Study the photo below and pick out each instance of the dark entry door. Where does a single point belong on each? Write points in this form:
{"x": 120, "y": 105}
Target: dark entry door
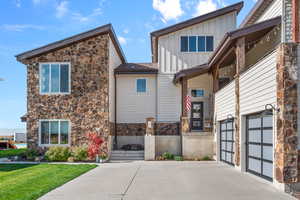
{"x": 197, "y": 116}
{"x": 227, "y": 142}
{"x": 260, "y": 145}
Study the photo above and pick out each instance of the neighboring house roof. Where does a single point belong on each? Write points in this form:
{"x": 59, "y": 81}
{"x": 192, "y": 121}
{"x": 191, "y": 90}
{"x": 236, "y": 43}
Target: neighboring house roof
{"x": 256, "y": 12}
{"x": 252, "y": 32}
{"x": 11, "y": 131}
{"x": 76, "y": 38}
{"x": 176, "y": 27}
{"x": 191, "y": 72}
{"x": 137, "y": 68}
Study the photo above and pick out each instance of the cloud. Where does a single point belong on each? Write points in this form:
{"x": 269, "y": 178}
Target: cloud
{"x": 126, "y": 31}
{"x": 169, "y": 9}
{"x": 122, "y": 40}
{"x": 18, "y": 3}
{"x": 21, "y": 27}
{"x": 62, "y": 9}
{"x": 205, "y": 6}
{"x": 36, "y": 2}
{"x": 77, "y": 16}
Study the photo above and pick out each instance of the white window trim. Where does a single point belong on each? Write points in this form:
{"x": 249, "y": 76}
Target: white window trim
{"x": 141, "y": 93}
{"x": 50, "y": 120}
{"x": 40, "y": 78}
{"x": 188, "y": 47}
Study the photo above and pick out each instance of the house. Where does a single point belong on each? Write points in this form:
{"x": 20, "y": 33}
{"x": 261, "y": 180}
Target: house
{"x": 211, "y": 89}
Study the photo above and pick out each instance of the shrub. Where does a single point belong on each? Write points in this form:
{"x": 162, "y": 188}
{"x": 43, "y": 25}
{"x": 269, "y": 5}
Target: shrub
{"x": 58, "y": 153}
{"x": 79, "y": 153}
{"x": 206, "y": 158}
{"x": 31, "y": 154}
{"x": 71, "y": 159}
{"x": 12, "y": 152}
{"x": 178, "y": 158}
{"x": 168, "y": 156}
{"x": 95, "y": 142}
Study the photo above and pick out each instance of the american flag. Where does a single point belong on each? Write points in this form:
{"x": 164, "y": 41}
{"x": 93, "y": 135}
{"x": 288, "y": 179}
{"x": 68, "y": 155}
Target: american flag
{"x": 188, "y": 104}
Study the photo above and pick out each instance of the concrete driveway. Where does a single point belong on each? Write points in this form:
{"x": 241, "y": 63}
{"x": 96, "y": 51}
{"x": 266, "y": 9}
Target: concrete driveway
{"x": 141, "y": 180}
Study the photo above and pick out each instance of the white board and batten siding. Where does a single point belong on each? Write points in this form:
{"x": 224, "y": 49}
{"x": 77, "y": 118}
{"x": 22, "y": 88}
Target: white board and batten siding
{"x": 258, "y": 85}
{"x": 225, "y": 102}
{"x": 168, "y": 99}
{"x": 172, "y": 60}
{"x": 134, "y": 107}
{"x": 114, "y": 62}
{"x": 274, "y": 10}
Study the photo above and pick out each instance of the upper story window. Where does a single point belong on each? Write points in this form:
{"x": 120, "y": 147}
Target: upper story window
{"x": 54, "y": 132}
{"x": 197, "y": 43}
{"x": 197, "y": 93}
{"x": 141, "y": 85}
{"x": 54, "y": 78}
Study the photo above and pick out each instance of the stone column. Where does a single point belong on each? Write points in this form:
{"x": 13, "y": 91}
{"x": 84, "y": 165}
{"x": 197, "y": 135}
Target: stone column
{"x": 240, "y": 66}
{"x": 149, "y": 147}
{"x": 286, "y": 150}
{"x": 185, "y": 125}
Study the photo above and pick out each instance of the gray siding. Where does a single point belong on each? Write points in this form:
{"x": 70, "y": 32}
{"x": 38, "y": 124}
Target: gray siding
{"x": 274, "y": 10}
{"x": 225, "y": 102}
{"x": 169, "y": 99}
{"x": 258, "y": 85}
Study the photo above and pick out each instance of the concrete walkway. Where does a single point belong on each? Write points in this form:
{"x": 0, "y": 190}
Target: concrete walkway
{"x": 141, "y": 180}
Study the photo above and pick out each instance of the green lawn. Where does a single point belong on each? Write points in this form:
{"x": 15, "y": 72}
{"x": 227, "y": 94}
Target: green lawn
{"x": 26, "y": 182}
{"x": 11, "y": 152}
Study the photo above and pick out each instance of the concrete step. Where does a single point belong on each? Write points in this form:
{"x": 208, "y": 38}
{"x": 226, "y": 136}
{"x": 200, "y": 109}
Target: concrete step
{"x": 127, "y": 155}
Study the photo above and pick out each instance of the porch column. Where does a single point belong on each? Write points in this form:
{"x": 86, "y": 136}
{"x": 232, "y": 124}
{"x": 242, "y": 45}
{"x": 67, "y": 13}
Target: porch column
{"x": 240, "y": 66}
{"x": 296, "y": 20}
{"x": 184, "y": 115}
{"x": 286, "y": 149}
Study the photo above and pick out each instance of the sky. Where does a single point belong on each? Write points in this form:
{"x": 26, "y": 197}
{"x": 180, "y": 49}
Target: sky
{"x": 27, "y": 24}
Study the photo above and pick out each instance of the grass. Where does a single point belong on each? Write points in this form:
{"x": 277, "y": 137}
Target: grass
{"x": 29, "y": 181}
{"x": 11, "y": 152}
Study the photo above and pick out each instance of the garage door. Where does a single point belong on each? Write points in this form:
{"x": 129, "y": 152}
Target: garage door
{"x": 227, "y": 142}
{"x": 260, "y": 145}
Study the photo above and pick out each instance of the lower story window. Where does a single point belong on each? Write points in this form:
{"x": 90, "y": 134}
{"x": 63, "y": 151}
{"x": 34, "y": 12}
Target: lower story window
{"x": 54, "y": 132}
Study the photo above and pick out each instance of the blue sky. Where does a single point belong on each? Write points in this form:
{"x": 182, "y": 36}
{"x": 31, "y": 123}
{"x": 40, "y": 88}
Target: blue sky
{"x": 27, "y": 24}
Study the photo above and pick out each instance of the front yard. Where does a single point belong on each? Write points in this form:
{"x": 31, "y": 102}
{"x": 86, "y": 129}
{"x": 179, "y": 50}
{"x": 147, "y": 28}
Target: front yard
{"x": 28, "y": 182}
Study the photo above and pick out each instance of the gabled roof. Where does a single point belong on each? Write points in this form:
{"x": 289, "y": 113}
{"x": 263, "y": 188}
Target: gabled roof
{"x": 106, "y": 29}
{"x": 137, "y": 68}
{"x": 251, "y": 31}
{"x": 176, "y": 27}
{"x": 255, "y": 13}
{"x": 191, "y": 72}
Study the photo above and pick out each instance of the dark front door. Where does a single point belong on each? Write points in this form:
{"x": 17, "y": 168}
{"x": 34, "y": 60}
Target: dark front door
{"x": 260, "y": 145}
{"x": 197, "y": 116}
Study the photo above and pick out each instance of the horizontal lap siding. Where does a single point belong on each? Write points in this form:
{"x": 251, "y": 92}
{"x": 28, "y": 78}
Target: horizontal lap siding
{"x": 258, "y": 85}
{"x": 169, "y": 99}
{"x": 273, "y": 11}
{"x": 131, "y": 106}
{"x": 225, "y": 102}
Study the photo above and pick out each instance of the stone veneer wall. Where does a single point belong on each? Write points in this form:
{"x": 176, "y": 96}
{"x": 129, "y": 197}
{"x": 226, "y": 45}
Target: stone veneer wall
{"x": 286, "y": 150}
{"x": 87, "y": 107}
{"x": 139, "y": 129}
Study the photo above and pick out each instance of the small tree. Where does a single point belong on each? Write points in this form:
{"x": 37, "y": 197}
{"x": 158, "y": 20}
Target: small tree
{"x": 94, "y": 144}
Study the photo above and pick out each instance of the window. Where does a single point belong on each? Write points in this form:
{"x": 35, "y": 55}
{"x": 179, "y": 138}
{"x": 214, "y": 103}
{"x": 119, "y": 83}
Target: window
{"x": 197, "y": 43}
{"x": 54, "y": 78}
{"x": 201, "y": 43}
{"x": 192, "y": 43}
{"x": 54, "y": 132}
{"x": 209, "y": 43}
{"x": 197, "y": 93}
{"x": 141, "y": 85}
{"x": 184, "y": 44}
